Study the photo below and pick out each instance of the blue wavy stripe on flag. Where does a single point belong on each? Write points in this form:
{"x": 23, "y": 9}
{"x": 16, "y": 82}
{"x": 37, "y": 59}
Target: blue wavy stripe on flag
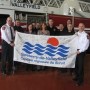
{"x": 30, "y": 45}
{"x": 61, "y": 54}
{"x": 57, "y": 50}
{"x": 51, "y": 50}
{"x": 62, "y": 50}
{"x": 37, "y": 52}
{"x": 39, "y": 49}
{"x": 63, "y": 47}
{"x": 27, "y": 47}
{"x": 27, "y": 51}
{"x": 50, "y": 54}
{"x": 52, "y": 47}
{"x": 40, "y": 46}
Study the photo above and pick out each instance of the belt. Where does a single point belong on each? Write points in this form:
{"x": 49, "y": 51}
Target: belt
{"x": 6, "y": 42}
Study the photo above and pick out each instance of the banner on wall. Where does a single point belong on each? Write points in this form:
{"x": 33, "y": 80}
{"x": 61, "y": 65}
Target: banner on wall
{"x": 53, "y": 51}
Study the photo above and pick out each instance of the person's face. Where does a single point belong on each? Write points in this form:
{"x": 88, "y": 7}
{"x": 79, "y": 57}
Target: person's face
{"x": 17, "y": 23}
{"x": 61, "y": 27}
{"x": 34, "y": 24}
{"x": 43, "y": 26}
{"x": 9, "y": 21}
{"x": 70, "y": 27}
{"x": 30, "y": 27}
{"x": 50, "y": 22}
{"x": 69, "y": 22}
{"x": 37, "y": 25}
{"x": 81, "y": 27}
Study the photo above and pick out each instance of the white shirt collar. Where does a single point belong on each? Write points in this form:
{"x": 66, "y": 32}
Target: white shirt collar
{"x": 81, "y": 32}
{"x": 8, "y": 25}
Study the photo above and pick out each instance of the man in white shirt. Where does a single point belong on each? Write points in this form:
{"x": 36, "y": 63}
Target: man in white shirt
{"x": 83, "y": 44}
{"x": 7, "y": 36}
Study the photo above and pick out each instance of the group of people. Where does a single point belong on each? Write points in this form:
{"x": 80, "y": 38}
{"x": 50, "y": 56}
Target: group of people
{"x": 8, "y": 35}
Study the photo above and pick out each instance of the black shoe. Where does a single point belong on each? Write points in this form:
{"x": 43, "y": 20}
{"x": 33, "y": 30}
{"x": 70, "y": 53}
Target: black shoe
{"x": 4, "y": 74}
{"x": 9, "y": 73}
{"x": 79, "y": 83}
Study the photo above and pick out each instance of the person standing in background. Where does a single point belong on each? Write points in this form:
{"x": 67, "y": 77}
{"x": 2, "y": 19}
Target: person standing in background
{"x": 38, "y": 26}
{"x": 70, "y": 30}
{"x": 66, "y": 26}
{"x": 51, "y": 28}
{"x": 31, "y": 31}
{"x": 43, "y": 31}
{"x": 34, "y": 27}
{"x": 18, "y": 27}
{"x": 60, "y": 30}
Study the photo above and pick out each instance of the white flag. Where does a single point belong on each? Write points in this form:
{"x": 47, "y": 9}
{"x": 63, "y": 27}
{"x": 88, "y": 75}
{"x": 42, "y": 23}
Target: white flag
{"x": 54, "y": 51}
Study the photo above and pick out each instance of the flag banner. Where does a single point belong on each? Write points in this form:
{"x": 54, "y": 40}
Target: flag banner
{"x": 53, "y": 51}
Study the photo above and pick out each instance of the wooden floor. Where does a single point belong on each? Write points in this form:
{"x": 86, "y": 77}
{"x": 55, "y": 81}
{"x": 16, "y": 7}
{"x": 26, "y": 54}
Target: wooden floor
{"x": 44, "y": 80}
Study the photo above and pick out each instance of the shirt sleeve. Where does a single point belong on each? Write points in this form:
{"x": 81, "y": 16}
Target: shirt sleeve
{"x": 4, "y": 35}
{"x": 85, "y": 44}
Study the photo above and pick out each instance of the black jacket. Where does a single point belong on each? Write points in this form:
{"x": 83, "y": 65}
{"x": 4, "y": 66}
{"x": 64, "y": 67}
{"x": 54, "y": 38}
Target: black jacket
{"x": 18, "y": 28}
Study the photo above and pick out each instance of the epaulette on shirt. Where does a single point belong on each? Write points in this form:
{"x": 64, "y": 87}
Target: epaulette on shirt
{"x": 3, "y": 27}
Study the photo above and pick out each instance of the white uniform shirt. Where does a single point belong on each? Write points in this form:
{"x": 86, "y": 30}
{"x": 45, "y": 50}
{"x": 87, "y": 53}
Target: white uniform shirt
{"x": 83, "y": 41}
{"x": 6, "y": 33}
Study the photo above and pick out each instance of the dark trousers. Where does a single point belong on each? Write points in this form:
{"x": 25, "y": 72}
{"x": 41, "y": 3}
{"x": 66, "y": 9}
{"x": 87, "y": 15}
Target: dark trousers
{"x": 7, "y": 57}
{"x": 79, "y": 67}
